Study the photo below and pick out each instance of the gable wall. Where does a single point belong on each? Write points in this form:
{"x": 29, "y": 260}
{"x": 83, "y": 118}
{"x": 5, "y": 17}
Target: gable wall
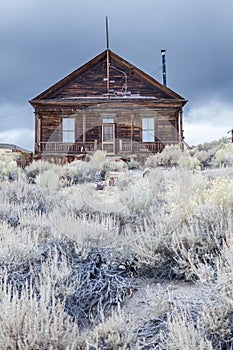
{"x": 91, "y": 83}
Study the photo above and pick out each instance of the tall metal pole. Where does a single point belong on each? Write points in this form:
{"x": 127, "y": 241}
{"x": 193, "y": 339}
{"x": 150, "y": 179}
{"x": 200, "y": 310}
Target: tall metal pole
{"x": 163, "y": 52}
{"x": 107, "y": 68}
{"x": 107, "y": 37}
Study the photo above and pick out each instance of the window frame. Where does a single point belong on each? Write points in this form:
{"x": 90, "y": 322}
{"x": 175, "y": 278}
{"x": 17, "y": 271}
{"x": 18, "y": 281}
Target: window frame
{"x": 68, "y": 129}
{"x": 108, "y": 144}
{"x": 148, "y": 131}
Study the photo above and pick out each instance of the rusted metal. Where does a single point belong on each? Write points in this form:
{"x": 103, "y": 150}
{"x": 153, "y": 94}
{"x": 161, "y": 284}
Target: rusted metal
{"x": 163, "y": 52}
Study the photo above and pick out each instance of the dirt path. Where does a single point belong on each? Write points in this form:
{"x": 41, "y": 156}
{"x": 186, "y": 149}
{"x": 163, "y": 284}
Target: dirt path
{"x": 150, "y": 295}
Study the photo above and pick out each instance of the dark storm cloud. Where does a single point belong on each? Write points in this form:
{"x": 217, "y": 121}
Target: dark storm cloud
{"x": 42, "y": 41}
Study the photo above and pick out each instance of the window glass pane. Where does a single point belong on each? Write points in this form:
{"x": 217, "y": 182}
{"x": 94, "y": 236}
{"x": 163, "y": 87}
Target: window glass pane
{"x": 68, "y": 123}
{"x": 68, "y": 136}
{"x": 150, "y": 124}
{"x": 147, "y": 136}
{"x": 65, "y": 124}
{"x": 144, "y": 123}
{"x": 107, "y": 133}
{"x": 108, "y": 120}
{"x": 68, "y": 130}
{"x": 71, "y": 123}
{"x": 148, "y": 131}
{"x": 65, "y": 136}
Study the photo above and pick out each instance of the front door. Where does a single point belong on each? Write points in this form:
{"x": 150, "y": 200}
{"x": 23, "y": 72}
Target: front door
{"x": 108, "y": 138}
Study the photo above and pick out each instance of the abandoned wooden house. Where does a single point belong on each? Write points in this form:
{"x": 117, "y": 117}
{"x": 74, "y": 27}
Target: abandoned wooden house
{"x": 22, "y": 156}
{"x": 106, "y": 104}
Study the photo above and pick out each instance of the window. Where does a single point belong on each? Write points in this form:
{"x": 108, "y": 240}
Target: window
{"x": 108, "y": 120}
{"x": 148, "y": 130}
{"x": 108, "y": 133}
{"x": 68, "y": 130}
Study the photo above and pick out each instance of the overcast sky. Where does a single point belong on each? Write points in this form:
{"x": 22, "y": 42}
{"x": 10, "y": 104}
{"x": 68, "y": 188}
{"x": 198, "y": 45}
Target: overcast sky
{"x": 44, "y": 40}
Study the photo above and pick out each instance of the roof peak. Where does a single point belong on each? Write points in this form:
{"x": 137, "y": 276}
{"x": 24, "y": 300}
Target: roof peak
{"x": 94, "y": 78}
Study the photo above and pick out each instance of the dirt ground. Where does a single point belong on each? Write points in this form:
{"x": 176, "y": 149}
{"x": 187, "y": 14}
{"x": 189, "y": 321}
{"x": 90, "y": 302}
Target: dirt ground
{"x": 174, "y": 293}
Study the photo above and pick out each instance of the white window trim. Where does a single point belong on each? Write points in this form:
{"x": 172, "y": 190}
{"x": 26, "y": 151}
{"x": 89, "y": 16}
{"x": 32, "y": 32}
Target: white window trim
{"x": 148, "y": 132}
{"x": 68, "y": 131}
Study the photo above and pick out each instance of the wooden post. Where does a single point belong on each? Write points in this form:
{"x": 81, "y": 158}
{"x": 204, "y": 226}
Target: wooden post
{"x": 120, "y": 145}
{"x": 108, "y": 74}
{"x": 39, "y": 121}
{"x": 132, "y": 127}
{"x": 36, "y": 133}
{"x": 95, "y": 145}
{"x": 181, "y": 130}
{"x": 84, "y": 128}
{"x": 108, "y": 61}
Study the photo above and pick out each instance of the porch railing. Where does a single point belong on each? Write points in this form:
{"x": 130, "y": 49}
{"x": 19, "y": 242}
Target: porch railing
{"x": 60, "y": 147}
{"x": 122, "y": 146}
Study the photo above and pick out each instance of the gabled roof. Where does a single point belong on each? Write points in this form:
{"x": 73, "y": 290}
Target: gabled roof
{"x": 89, "y": 81}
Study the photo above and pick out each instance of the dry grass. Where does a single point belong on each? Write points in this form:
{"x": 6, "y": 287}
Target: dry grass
{"x": 170, "y": 224}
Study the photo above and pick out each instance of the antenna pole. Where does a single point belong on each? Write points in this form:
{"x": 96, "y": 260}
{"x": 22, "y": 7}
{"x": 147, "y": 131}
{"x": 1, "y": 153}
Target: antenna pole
{"x": 108, "y": 63}
{"x": 107, "y": 38}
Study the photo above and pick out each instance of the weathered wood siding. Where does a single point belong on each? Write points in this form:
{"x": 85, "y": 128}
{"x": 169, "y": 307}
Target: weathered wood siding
{"x": 91, "y": 82}
{"x": 128, "y": 124}
{"x": 167, "y": 126}
{"x": 93, "y": 126}
{"x": 51, "y": 128}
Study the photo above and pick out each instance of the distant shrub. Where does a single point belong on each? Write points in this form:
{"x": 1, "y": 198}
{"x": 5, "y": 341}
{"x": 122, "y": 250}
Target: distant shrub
{"x": 9, "y": 215}
{"x": 213, "y": 145}
{"x": 115, "y": 165}
{"x": 98, "y": 159}
{"x": 173, "y": 156}
{"x": 8, "y": 166}
{"x": 214, "y": 154}
{"x": 133, "y": 164}
{"x": 140, "y": 197}
{"x": 27, "y": 197}
{"x": 220, "y": 194}
{"x": 187, "y": 162}
{"x": 169, "y": 157}
{"x": 48, "y": 179}
{"x": 37, "y": 167}
{"x": 224, "y": 156}
{"x": 204, "y": 157}
{"x": 78, "y": 172}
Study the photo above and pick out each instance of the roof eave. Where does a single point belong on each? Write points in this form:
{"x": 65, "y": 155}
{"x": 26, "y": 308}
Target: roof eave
{"x": 101, "y": 100}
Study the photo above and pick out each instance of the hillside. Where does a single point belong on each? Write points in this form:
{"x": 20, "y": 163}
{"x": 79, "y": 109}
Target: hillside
{"x": 144, "y": 264}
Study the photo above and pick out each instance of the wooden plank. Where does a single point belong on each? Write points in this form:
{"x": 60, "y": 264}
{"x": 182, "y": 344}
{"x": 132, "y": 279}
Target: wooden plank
{"x": 84, "y": 127}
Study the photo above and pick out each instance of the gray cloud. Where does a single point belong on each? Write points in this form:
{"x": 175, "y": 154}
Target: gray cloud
{"x": 42, "y": 41}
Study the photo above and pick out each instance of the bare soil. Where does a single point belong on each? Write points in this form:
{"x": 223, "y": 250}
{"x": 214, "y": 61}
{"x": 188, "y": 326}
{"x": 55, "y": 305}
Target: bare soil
{"x": 178, "y": 293}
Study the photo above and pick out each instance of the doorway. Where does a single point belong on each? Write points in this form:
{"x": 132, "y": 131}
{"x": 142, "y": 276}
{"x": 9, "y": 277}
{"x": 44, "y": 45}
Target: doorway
{"x": 108, "y": 138}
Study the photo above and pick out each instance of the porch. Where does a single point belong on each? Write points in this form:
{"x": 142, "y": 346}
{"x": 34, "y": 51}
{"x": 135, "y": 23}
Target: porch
{"x": 122, "y": 147}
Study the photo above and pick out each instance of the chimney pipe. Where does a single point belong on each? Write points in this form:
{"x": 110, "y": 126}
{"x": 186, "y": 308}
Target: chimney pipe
{"x": 163, "y": 52}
